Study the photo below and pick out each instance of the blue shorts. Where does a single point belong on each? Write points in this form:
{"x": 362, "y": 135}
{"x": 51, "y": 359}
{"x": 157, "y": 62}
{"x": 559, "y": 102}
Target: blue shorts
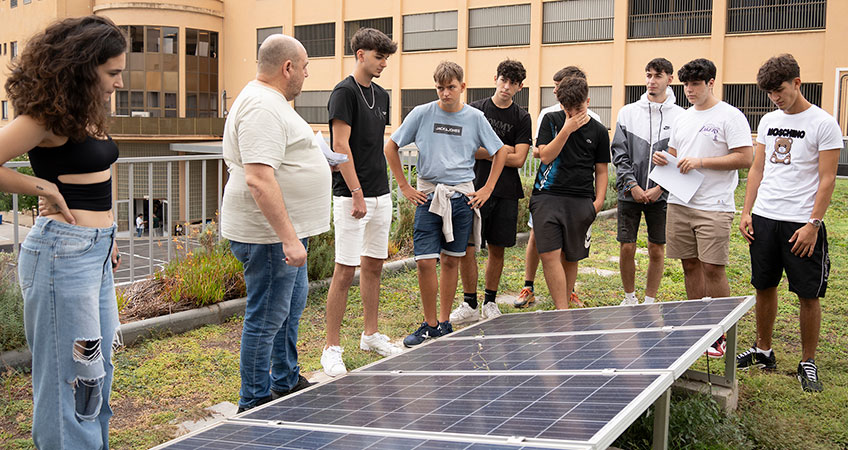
{"x": 428, "y": 241}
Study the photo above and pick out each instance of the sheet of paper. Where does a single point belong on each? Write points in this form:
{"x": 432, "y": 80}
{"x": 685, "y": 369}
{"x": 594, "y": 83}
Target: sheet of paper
{"x": 683, "y": 186}
{"x": 332, "y": 157}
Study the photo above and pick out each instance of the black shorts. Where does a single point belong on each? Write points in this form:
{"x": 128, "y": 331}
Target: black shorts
{"x": 562, "y": 222}
{"x": 771, "y": 254}
{"x": 499, "y": 221}
{"x": 630, "y": 214}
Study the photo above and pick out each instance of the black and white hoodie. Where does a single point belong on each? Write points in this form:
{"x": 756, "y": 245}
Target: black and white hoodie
{"x": 643, "y": 127}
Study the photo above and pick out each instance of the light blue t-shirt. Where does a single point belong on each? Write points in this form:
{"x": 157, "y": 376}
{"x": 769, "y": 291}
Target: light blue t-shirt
{"x": 446, "y": 141}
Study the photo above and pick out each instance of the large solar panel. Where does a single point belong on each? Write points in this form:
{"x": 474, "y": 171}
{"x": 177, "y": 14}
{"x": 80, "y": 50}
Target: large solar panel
{"x": 240, "y": 436}
{"x": 561, "y": 407}
{"x": 631, "y": 350}
{"x": 701, "y": 313}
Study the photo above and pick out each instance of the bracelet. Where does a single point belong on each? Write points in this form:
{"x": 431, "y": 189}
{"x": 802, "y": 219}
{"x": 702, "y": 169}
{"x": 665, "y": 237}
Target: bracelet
{"x": 357, "y": 189}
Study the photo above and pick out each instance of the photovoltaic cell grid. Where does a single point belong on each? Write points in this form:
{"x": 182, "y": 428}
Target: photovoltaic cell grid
{"x": 231, "y": 436}
{"x": 646, "y": 350}
{"x": 562, "y": 407}
{"x": 656, "y": 315}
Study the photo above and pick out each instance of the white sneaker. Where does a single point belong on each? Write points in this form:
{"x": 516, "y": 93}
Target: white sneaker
{"x": 491, "y": 310}
{"x": 649, "y": 301}
{"x": 464, "y": 314}
{"x": 331, "y": 360}
{"x": 378, "y": 343}
{"x": 629, "y": 301}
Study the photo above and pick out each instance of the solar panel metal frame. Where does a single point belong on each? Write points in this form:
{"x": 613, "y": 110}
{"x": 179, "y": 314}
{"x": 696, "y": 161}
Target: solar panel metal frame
{"x": 477, "y": 439}
{"x": 728, "y": 321}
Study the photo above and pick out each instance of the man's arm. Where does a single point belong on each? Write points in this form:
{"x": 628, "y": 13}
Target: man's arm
{"x": 266, "y": 191}
{"x": 482, "y": 153}
{"x": 482, "y": 195}
{"x": 625, "y": 174}
{"x": 393, "y": 159}
{"x": 517, "y": 156}
{"x": 549, "y": 152}
{"x": 737, "y": 158}
{"x": 601, "y": 179}
{"x": 805, "y": 237}
{"x": 755, "y": 177}
{"x": 341, "y": 144}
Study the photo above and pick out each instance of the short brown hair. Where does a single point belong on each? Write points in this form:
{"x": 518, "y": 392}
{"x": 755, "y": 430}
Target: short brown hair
{"x": 777, "y": 70}
{"x": 572, "y": 92}
{"x": 372, "y": 39}
{"x": 568, "y": 72}
{"x": 447, "y": 71}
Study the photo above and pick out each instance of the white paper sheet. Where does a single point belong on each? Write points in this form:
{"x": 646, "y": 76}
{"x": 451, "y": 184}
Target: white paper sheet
{"x": 332, "y": 157}
{"x": 683, "y": 186}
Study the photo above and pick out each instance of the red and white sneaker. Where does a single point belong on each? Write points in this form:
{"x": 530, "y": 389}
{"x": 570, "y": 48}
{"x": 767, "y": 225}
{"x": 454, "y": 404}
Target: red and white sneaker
{"x": 718, "y": 348}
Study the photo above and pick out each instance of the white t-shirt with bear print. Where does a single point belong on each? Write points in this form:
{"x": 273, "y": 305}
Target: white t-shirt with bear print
{"x": 791, "y": 172}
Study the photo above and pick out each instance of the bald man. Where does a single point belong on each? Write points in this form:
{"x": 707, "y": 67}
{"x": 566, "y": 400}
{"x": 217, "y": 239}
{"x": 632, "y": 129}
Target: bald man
{"x": 277, "y": 196}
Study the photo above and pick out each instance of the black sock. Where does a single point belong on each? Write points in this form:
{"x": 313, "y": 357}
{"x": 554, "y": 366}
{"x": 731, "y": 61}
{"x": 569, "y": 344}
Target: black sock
{"x": 529, "y": 284}
{"x": 470, "y": 298}
{"x": 490, "y": 296}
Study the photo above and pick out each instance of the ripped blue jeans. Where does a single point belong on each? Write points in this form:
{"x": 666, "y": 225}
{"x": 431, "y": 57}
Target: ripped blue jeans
{"x": 71, "y": 318}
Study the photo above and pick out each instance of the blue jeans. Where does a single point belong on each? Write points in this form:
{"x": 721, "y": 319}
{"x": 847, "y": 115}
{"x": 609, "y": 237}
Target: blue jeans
{"x": 71, "y": 318}
{"x": 276, "y": 296}
{"x": 428, "y": 241}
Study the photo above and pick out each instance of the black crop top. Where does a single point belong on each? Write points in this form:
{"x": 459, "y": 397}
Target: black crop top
{"x": 88, "y": 156}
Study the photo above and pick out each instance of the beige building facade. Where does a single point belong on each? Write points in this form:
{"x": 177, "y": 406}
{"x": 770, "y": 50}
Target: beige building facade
{"x": 188, "y": 59}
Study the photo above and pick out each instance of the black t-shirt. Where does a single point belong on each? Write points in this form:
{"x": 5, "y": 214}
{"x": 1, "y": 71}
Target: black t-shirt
{"x": 572, "y": 173}
{"x": 367, "y": 130}
{"x": 513, "y": 126}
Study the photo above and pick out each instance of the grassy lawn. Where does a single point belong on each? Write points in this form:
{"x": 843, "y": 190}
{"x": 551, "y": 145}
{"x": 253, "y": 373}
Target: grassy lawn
{"x": 165, "y": 381}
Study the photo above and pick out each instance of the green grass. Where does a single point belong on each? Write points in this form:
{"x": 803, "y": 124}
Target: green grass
{"x": 168, "y": 380}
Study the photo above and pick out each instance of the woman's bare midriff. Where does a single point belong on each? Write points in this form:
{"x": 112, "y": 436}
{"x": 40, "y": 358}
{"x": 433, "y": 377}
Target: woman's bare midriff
{"x": 86, "y": 218}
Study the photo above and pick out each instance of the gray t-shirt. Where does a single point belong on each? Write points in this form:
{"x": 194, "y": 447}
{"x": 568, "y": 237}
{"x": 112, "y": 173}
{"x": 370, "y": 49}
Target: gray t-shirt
{"x": 446, "y": 141}
{"x": 263, "y": 128}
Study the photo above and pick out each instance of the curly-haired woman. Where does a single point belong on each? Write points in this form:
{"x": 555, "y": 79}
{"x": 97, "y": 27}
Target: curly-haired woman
{"x": 59, "y": 87}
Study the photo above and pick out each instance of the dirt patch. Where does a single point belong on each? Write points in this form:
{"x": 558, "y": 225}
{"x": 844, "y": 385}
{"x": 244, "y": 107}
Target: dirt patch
{"x": 16, "y": 407}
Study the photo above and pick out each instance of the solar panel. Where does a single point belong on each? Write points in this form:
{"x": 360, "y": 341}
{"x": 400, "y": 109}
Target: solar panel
{"x": 631, "y": 350}
{"x": 232, "y": 436}
{"x": 708, "y": 312}
{"x": 561, "y": 407}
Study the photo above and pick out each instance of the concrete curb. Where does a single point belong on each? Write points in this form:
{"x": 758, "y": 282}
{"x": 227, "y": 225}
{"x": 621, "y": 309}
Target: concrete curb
{"x": 183, "y": 321}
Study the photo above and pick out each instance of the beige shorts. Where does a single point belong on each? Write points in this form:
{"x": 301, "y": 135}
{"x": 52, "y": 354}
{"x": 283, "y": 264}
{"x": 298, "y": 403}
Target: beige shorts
{"x": 368, "y": 236}
{"x": 693, "y": 233}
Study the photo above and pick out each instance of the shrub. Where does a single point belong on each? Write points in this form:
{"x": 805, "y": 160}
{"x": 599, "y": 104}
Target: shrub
{"x": 11, "y": 305}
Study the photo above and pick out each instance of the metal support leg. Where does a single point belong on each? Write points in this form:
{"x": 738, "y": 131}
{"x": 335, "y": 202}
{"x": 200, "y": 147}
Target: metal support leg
{"x": 729, "y": 365}
{"x": 661, "y": 413}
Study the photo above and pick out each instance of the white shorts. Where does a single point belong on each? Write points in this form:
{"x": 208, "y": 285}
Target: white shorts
{"x": 368, "y": 236}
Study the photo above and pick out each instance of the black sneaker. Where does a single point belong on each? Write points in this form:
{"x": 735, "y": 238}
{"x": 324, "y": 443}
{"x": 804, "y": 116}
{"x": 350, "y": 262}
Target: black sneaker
{"x": 259, "y": 402}
{"x": 752, "y": 358}
{"x": 302, "y": 383}
{"x": 445, "y": 328}
{"x": 808, "y": 375}
{"x": 424, "y": 332}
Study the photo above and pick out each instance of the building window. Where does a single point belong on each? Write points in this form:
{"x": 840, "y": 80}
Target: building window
{"x": 662, "y": 18}
{"x": 13, "y": 3}
{"x": 499, "y": 26}
{"x": 4, "y": 48}
{"x": 201, "y": 73}
{"x": 312, "y": 106}
{"x": 410, "y": 98}
{"x": 152, "y": 73}
{"x": 577, "y": 21}
{"x": 600, "y": 101}
{"x": 319, "y": 39}
{"x": 744, "y": 16}
{"x": 522, "y": 98}
{"x": 633, "y": 93}
{"x": 13, "y": 49}
{"x": 754, "y": 102}
{"x": 351, "y": 27}
{"x": 27, "y": 2}
{"x": 262, "y": 33}
{"x": 430, "y": 31}
{"x": 4, "y": 110}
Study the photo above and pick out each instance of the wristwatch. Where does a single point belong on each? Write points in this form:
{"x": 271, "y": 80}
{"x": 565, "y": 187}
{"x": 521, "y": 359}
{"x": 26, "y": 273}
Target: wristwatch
{"x": 815, "y": 222}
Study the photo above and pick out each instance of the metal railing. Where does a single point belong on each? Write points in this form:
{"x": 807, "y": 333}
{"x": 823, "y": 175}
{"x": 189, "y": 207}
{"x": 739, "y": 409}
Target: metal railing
{"x": 136, "y": 271}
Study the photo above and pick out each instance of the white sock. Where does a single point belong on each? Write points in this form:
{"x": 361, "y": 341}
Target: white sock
{"x": 650, "y": 299}
{"x": 630, "y": 295}
{"x": 765, "y": 352}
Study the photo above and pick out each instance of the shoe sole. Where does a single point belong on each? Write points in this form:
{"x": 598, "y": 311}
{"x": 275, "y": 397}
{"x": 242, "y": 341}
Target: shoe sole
{"x": 524, "y": 304}
{"x": 807, "y": 388}
{"x": 462, "y": 321}
{"x": 367, "y": 348}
